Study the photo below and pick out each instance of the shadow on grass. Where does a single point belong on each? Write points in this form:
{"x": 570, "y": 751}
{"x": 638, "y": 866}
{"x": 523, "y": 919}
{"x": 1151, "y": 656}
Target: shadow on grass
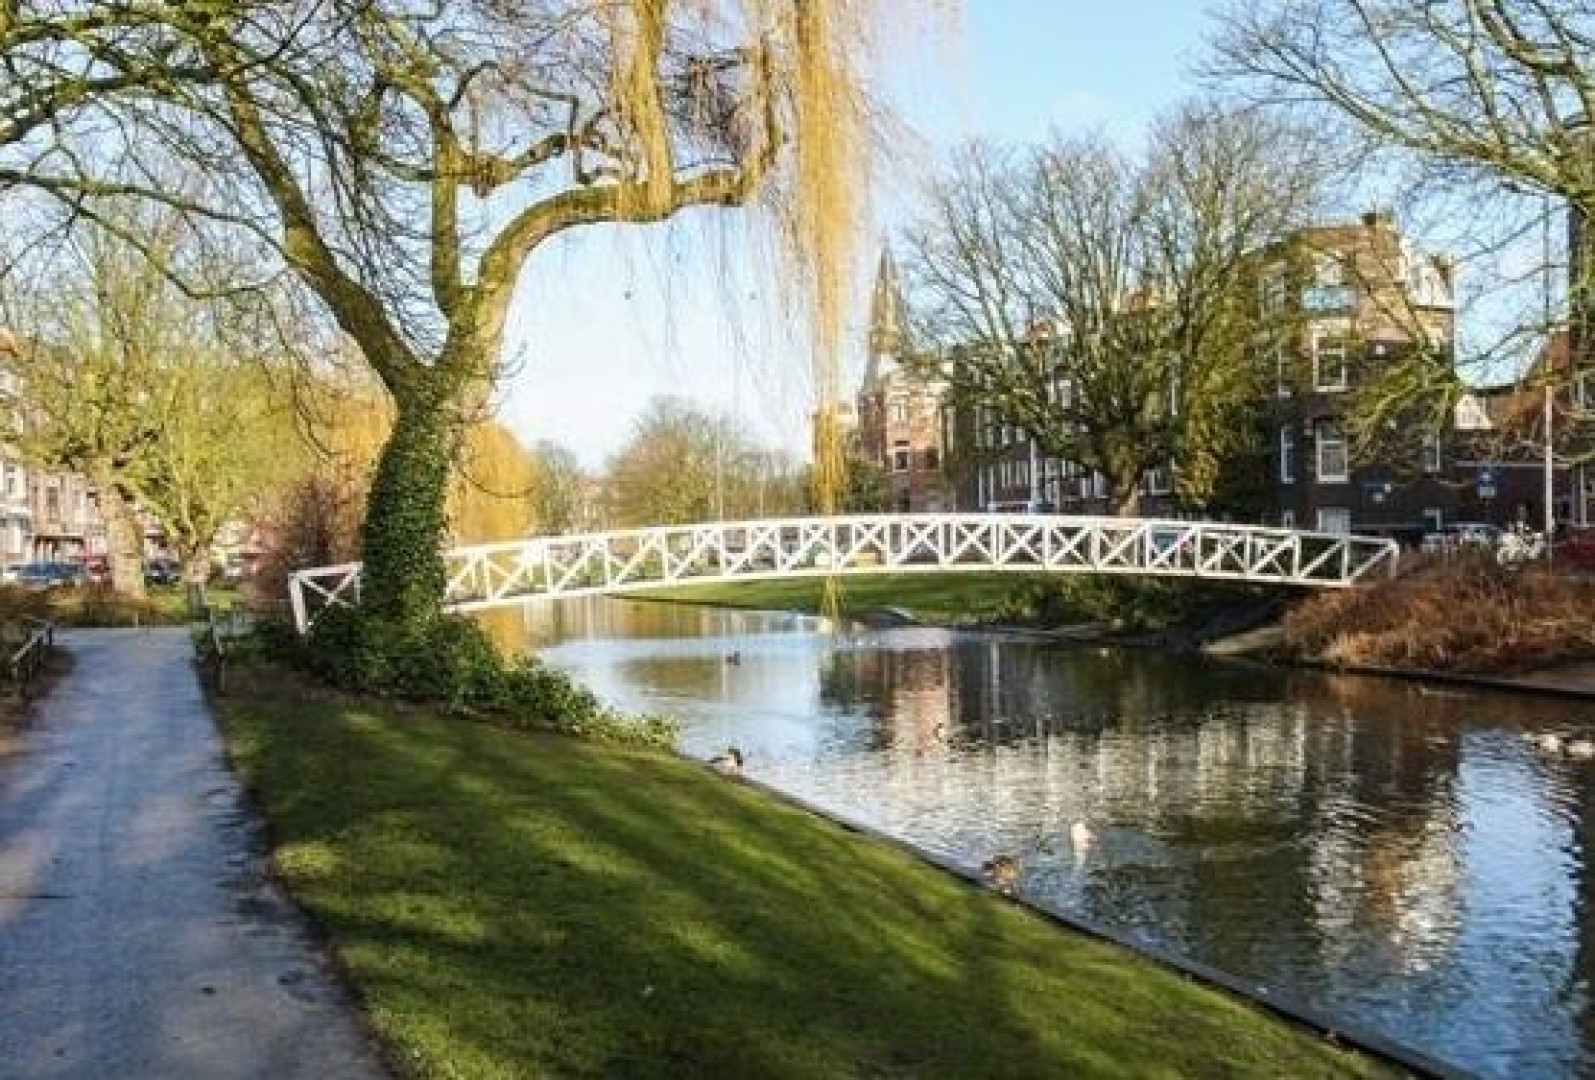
{"x": 512, "y": 906}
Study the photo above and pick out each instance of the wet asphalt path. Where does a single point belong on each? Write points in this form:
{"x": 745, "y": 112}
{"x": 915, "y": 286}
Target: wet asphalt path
{"x": 139, "y": 936}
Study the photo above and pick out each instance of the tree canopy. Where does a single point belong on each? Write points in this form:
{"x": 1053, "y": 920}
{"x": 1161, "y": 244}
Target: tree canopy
{"x": 1106, "y": 302}
{"x": 406, "y": 159}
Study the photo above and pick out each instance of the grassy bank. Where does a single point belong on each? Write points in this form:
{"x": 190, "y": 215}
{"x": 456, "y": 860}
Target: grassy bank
{"x": 525, "y": 906}
{"x": 963, "y": 597}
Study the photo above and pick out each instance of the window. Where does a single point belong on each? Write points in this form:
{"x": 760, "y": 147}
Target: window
{"x": 901, "y": 457}
{"x": 898, "y": 411}
{"x": 1431, "y": 452}
{"x": 1329, "y": 290}
{"x": 1433, "y": 518}
{"x": 1334, "y": 519}
{"x": 1159, "y": 481}
{"x": 932, "y": 460}
{"x": 1287, "y": 454}
{"x": 1329, "y": 363}
{"x": 1282, "y": 372}
{"x": 1287, "y": 519}
{"x": 52, "y": 504}
{"x": 1332, "y": 467}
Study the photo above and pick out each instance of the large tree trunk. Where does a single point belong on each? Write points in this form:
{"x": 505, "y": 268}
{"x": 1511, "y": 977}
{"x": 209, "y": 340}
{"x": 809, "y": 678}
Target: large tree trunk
{"x": 406, "y": 512}
{"x": 124, "y": 538}
{"x": 196, "y": 575}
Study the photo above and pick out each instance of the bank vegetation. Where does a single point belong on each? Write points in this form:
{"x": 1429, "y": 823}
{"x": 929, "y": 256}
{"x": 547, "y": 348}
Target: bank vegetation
{"x": 1462, "y": 612}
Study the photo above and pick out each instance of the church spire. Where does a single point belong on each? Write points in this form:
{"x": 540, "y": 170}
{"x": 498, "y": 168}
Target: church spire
{"x": 886, "y": 330}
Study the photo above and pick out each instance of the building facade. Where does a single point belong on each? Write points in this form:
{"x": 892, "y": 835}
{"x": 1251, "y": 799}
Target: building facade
{"x": 1355, "y": 299}
{"x": 45, "y": 514}
{"x": 898, "y": 412}
{"x": 1346, "y": 301}
{"x": 1364, "y": 298}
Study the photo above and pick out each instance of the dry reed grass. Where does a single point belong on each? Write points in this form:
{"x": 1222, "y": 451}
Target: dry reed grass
{"x": 1456, "y": 613}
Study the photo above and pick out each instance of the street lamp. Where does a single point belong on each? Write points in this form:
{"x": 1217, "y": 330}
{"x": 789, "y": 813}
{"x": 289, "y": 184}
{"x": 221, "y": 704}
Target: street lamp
{"x": 1549, "y": 404}
{"x": 1547, "y": 375}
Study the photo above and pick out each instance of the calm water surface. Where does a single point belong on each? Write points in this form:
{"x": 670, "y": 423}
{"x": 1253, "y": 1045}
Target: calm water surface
{"x": 1402, "y": 858}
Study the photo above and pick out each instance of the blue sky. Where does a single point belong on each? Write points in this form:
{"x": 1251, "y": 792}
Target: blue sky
{"x": 606, "y": 319}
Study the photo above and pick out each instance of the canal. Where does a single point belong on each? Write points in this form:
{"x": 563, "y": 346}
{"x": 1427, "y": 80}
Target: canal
{"x": 1391, "y": 854}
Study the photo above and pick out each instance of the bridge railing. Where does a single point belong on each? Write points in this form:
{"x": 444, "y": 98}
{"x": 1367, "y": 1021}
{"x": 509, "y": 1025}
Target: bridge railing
{"x": 628, "y": 560}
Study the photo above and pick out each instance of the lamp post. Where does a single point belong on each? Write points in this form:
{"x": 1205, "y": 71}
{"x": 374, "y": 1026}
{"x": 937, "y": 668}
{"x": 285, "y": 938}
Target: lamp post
{"x": 1549, "y": 374}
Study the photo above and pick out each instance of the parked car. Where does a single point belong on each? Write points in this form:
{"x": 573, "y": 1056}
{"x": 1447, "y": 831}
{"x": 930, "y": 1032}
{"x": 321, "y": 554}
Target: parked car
{"x": 51, "y": 575}
{"x": 1462, "y": 534}
{"x": 162, "y": 572}
{"x": 1475, "y": 534}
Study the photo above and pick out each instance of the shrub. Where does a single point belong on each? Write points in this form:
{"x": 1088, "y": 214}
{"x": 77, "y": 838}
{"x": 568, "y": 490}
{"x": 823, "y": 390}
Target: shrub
{"x": 1123, "y": 603}
{"x": 452, "y": 662}
{"x": 1459, "y": 613}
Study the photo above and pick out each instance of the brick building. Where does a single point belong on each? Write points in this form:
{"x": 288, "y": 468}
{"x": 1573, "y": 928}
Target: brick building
{"x": 1352, "y": 298}
{"x": 45, "y": 514}
{"x": 1356, "y": 298}
{"x": 898, "y": 412}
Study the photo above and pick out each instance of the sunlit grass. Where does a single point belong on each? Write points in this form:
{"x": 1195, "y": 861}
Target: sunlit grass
{"x": 514, "y": 906}
{"x": 960, "y": 597}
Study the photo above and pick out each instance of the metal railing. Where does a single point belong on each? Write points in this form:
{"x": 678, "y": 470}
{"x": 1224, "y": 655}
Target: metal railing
{"x": 633, "y": 560}
{"x": 28, "y": 659}
{"x": 222, "y": 625}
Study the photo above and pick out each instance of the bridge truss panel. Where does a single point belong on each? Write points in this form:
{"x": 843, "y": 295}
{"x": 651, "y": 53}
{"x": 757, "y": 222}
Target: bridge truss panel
{"x": 634, "y": 560}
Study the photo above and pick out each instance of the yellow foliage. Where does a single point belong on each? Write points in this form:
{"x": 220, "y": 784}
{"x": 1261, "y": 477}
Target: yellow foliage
{"x": 490, "y": 495}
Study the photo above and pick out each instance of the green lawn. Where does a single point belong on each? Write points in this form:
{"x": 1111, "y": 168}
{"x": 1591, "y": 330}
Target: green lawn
{"x": 510, "y": 906}
{"x": 961, "y": 597}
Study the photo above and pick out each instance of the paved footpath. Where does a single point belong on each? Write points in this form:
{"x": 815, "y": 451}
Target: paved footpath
{"x": 139, "y": 935}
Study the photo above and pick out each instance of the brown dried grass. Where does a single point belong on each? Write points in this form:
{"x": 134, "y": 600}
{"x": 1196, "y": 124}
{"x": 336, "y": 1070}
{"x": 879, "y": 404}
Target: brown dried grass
{"x": 1455, "y": 613}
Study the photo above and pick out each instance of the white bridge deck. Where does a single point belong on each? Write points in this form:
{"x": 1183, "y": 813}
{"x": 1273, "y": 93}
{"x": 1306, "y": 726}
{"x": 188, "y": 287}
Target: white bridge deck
{"x": 633, "y": 560}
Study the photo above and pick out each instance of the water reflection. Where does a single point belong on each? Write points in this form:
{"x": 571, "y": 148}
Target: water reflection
{"x": 1400, "y": 857}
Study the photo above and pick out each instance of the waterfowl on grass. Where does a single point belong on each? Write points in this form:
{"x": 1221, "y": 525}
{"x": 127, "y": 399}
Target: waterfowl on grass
{"x": 1001, "y": 872}
{"x": 728, "y": 763}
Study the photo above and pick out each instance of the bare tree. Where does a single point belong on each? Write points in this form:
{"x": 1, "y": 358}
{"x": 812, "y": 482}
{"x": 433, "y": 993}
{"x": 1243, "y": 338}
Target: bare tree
{"x": 407, "y": 159}
{"x": 1107, "y": 303}
{"x": 1492, "y": 96}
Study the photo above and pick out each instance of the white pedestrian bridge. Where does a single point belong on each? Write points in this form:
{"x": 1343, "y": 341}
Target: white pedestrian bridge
{"x": 636, "y": 560}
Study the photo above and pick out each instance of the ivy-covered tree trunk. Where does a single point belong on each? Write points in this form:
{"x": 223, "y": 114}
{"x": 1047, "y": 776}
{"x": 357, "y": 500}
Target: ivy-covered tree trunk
{"x": 124, "y": 537}
{"x": 406, "y": 512}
